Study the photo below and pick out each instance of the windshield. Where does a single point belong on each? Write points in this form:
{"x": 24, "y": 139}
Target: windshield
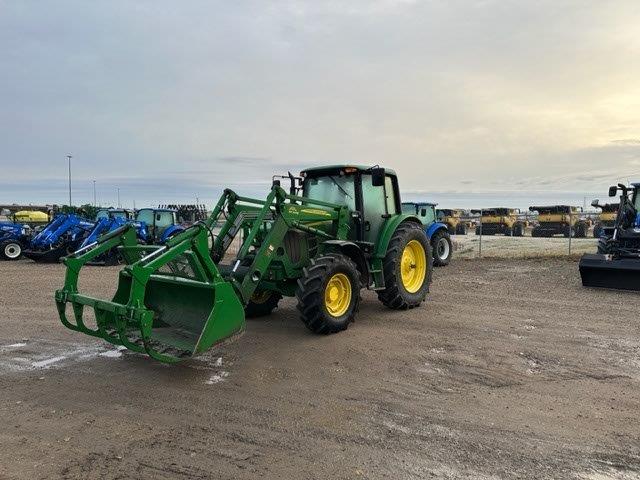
{"x": 409, "y": 208}
{"x": 120, "y": 214}
{"x": 102, "y": 214}
{"x": 333, "y": 189}
{"x": 145, "y": 215}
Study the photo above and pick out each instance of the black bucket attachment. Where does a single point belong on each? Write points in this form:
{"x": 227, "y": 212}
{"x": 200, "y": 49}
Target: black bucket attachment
{"x": 606, "y": 271}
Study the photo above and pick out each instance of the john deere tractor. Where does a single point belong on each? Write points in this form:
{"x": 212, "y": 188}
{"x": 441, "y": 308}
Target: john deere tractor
{"x": 336, "y": 230}
{"x": 560, "y": 220}
{"x": 506, "y": 221}
{"x": 606, "y": 218}
{"x": 617, "y": 263}
{"x": 452, "y": 218}
{"x": 437, "y": 232}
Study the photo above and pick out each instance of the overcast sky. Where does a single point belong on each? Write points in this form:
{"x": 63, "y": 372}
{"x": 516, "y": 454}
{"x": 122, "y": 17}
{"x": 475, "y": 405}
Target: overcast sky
{"x": 172, "y": 100}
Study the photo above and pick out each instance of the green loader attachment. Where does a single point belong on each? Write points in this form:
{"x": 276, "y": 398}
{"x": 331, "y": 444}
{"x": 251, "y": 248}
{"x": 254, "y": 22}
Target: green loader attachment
{"x": 172, "y": 301}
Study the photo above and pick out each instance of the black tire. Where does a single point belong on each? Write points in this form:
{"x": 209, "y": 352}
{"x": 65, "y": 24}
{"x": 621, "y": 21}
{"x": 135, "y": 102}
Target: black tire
{"x": 10, "y": 250}
{"x": 262, "y": 304}
{"x": 569, "y": 232}
{"x": 477, "y": 230}
{"x": 312, "y": 288}
{"x": 442, "y": 248}
{"x": 597, "y": 230}
{"x": 451, "y": 230}
{"x": 607, "y": 245}
{"x": 461, "y": 229}
{"x": 395, "y": 295}
{"x": 581, "y": 230}
{"x": 518, "y": 229}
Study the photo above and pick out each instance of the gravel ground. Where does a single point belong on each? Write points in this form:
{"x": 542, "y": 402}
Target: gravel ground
{"x": 510, "y": 370}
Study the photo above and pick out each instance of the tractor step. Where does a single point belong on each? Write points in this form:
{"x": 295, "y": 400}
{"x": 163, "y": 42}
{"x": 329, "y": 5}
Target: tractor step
{"x": 605, "y": 271}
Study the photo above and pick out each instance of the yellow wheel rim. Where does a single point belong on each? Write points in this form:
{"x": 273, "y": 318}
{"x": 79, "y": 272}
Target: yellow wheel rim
{"x": 337, "y": 295}
{"x": 413, "y": 266}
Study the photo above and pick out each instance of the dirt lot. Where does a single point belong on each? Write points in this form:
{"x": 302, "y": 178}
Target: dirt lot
{"x": 510, "y": 370}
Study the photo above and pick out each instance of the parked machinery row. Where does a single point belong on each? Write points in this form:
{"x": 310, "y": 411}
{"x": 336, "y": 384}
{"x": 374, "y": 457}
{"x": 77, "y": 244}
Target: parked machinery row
{"x": 66, "y": 233}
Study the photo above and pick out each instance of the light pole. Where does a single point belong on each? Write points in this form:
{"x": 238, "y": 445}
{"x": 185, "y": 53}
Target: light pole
{"x": 94, "y": 193}
{"x": 119, "y": 206}
{"x": 69, "y": 159}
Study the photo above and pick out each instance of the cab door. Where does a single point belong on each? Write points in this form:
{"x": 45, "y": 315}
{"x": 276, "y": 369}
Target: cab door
{"x": 379, "y": 203}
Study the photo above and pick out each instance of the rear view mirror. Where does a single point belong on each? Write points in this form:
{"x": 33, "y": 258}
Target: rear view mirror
{"x": 613, "y": 190}
{"x": 377, "y": 176}
{"x": 595, "y": 203}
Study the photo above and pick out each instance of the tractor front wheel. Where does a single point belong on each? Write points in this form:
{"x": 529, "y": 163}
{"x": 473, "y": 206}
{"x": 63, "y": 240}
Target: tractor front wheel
{"x": 407, "y": 268}
{"x": 262, "y": 304}
{"x": 329, "y": 293}
{"x": 10, "y": 250}
{"x": 442, "y": 248}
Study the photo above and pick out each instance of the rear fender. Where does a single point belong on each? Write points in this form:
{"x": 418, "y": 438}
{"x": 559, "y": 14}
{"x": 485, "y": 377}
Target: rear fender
{"x": 389, "y": 229}
{"x": 170, "y": 231}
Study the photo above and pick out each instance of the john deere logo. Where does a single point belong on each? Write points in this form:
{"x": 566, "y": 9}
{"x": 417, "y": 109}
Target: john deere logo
{"x": 293, "y": 211}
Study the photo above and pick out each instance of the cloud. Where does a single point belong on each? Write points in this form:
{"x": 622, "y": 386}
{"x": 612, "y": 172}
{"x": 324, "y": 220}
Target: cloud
{"x": 197, "y": 96}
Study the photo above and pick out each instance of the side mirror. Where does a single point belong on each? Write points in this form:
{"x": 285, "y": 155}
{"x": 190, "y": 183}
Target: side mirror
{"x": 613, "y": 191}
{"x": 595, "y": 203}
{"x": 377, "y": 176}
{"x": 423, "y": 212}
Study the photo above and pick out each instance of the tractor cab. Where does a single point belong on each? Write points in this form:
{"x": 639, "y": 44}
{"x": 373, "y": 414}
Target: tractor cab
{"x": 425, "y": 211}
{"x": 111, "y": 213}
{"x": 155, "y": 225}
{"x": 370, "y": 194}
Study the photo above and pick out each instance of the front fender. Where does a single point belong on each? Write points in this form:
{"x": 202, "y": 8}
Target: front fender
{"x": 435, "y": 227}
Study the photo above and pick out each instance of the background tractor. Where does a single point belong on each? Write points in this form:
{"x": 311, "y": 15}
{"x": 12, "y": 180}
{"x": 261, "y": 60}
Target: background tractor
{"x": 14, "y": 237}
{"x": 437, "y": 232}
{"x": 107, "y": 220}
{"x": 452, "y": 218}
{"x": 606, "y": 218}
{"x": 338, "y": 229}
{"x": 157, "y": 225}
{"x": 63, "y": 235}
{"x": 617, "y": 263}
{"x": 560, "y": 220}
{"x": 500, "y": 220}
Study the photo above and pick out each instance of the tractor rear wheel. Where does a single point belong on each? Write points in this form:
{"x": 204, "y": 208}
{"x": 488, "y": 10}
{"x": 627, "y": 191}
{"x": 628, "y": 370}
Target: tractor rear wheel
{"x": 329, "y": 293}
{"x": 407, "y": 268}
{"x": 10, "y": 250}
{"x": 262, "y": 304}
{"x": 442, "y": 248}
{"x": 461, "y": 229}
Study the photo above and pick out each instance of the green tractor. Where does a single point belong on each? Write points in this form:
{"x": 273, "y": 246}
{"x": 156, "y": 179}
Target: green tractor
{"x": 337, "y": 230}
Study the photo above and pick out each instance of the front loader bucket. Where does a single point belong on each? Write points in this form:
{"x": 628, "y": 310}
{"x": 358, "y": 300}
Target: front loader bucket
{"x": 171, "y": 304}
{"x": 605, "y": 271}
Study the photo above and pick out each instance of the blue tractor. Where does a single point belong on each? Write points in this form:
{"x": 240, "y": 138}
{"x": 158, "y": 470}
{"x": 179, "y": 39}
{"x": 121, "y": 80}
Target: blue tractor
{"x": 14, "y": 237}
{"x": 437, "y": 232}
{"x": 155, "y": 226}
{"x": 107, "y": 220}
{"x": 63, "y": 235}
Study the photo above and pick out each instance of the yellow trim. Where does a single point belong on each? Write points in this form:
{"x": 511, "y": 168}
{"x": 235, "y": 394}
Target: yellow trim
{"x": 337, "y": 295}
{"x": 413, "y": 266}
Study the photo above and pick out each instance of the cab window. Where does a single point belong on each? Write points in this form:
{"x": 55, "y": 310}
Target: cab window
{"x": 145, "y": 216}
{"x": 164, "y": 219}
{"x": 390, "y": 194}
{"x": 333, "y": 189}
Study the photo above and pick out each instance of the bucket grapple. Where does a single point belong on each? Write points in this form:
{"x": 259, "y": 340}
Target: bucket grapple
{"x": 177, "y": 300}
